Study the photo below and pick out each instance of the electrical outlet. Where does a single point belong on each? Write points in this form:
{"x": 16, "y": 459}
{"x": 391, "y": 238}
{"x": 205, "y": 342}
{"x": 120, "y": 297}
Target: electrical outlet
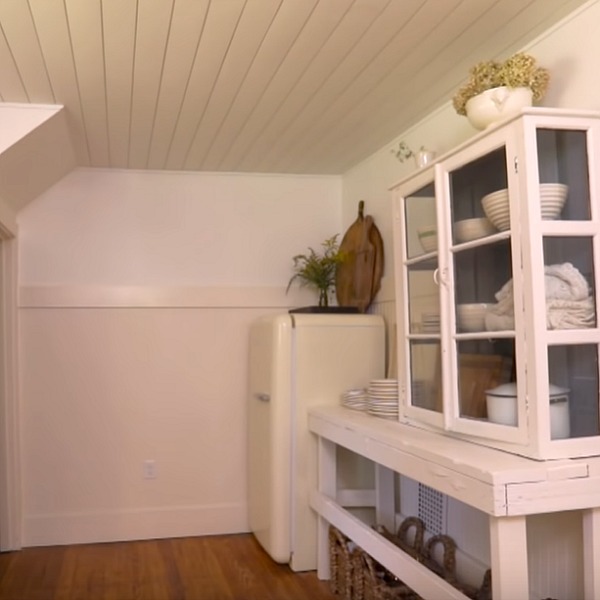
{"x": 149, "y": 469}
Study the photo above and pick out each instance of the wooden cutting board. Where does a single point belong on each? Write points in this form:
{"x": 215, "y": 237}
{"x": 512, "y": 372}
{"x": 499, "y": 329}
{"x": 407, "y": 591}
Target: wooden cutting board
{"x": 358, "y": 279}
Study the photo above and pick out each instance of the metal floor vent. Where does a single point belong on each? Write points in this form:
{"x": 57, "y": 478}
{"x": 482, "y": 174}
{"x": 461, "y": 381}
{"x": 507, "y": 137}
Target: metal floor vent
{"x": 432, "y": 509}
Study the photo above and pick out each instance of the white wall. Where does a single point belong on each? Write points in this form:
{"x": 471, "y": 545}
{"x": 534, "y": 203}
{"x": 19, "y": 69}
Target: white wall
{"x": 137, "y": 291}
{"x": 571, "y": 52}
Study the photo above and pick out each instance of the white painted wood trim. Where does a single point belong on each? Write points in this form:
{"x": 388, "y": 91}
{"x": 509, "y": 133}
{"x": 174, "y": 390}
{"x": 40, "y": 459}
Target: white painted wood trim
{"x": 10, "y": 484}
{"x": 8, "y": 221}
{"x": 125, "y": 296}
{"x": 356, "y": 498}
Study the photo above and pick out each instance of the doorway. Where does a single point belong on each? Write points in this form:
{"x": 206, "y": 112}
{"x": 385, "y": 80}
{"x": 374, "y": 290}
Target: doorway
{"x": 10, "y": 484}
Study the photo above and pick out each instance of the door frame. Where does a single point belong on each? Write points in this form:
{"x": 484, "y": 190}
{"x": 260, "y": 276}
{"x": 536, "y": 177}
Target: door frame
{"x": 10, "y": 463}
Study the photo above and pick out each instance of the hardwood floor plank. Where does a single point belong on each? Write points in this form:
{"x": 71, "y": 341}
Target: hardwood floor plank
{"x": 232, "y": 567}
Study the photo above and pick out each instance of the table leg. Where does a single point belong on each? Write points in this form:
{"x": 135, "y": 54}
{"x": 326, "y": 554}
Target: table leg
{"x": 508, "y": 545}
{"x": 591, "y": 553}
{"x": 326, "y": 484}
{"x": 385, "y": 497}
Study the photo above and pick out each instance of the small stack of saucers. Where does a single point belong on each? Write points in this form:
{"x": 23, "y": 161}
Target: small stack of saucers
{"x": 383, "y": 398}
{"x": 430, "y": 322}
{"x": 356, "y": 399}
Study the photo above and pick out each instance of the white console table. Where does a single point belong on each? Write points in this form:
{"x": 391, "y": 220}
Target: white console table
{"x": 505, "y": 486}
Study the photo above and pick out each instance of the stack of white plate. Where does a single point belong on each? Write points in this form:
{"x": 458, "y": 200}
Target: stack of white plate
{"x": 383, "y": 398}
{"x": 356, "y": 399}
{"x": 495, "y": 207}
{"x": 430, "y": 322}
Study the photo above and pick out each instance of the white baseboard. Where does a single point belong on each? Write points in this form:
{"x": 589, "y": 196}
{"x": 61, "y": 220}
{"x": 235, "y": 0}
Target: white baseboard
{"x": 135, "y": 524}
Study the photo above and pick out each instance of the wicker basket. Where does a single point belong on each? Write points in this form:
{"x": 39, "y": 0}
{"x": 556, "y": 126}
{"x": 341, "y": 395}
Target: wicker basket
{"x": 341, "y": 563}
{"x": 375, "y": 582}
{"x": 402, "y": 539}
{"x": 446, "y": 569}
{"x": 357, "y": 576}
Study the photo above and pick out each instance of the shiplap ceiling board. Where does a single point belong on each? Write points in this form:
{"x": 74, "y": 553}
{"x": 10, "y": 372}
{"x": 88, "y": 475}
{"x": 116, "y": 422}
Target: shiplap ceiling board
{"x": 289, "y": 86}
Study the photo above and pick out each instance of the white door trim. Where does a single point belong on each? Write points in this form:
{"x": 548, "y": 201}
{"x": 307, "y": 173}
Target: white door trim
{"x": 10, "y": 472}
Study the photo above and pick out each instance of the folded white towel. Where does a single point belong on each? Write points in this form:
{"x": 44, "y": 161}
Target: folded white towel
{"x": 568, "y": 301}
{"x": 565, "y": 282}
{"x": 570, "y": 314}
{"x": 560, "y": 314}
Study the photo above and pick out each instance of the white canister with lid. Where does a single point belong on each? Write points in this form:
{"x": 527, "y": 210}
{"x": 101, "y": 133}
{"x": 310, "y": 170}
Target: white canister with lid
{"x": 501, "y": 405}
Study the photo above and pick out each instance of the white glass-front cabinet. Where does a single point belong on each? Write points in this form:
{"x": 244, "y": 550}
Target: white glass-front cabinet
{"x": 496, "y": 249}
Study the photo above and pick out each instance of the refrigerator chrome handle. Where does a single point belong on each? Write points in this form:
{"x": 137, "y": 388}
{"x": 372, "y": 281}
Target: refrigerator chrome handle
{"x": 262, "y": 397}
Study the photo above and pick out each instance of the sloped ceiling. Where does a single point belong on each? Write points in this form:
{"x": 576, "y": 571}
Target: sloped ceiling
{"x": 296, "y": 86}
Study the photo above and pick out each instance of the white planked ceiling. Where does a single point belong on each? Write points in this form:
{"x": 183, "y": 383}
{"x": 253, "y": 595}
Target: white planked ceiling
{"x": 296, "y": 86}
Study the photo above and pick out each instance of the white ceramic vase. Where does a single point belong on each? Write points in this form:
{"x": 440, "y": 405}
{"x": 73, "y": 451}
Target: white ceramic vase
{"x": 496, "y": 104}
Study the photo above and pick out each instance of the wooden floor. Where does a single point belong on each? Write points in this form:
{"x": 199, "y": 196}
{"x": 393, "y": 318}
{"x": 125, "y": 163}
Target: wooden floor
{"x": 232, "y": 567}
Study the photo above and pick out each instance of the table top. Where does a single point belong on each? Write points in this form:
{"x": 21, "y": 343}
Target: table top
{"x": 495, "y": 481}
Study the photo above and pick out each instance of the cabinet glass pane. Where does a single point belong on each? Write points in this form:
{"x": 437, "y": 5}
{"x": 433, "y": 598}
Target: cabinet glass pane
{"x": 423, "y": 299}
{"x": 483, "y": 365}
{"x": 426, "y": 375}
{"x": 473, "y": 216}
{"x": 573, "y": 372}
{"x": 421, "y": 224}
{"x": 476, "y": 286}
{"x": 562, "y": 159}
{"x": 569, "y": 277}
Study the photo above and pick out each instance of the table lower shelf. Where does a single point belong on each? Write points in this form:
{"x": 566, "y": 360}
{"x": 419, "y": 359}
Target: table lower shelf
{"x": 414, "y": 574}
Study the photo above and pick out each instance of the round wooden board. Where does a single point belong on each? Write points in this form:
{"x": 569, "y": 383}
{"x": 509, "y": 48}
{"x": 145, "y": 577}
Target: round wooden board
{"x": 358, "y": 279}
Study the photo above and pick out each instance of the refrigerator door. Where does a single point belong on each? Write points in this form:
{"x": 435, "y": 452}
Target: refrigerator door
{"x": 295, "y": 362}
{"x": 331, "y": 353}
{"x": 269, "y": 438}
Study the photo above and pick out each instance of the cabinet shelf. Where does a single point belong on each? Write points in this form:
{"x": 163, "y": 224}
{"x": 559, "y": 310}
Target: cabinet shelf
{"x": 406, "y": 568}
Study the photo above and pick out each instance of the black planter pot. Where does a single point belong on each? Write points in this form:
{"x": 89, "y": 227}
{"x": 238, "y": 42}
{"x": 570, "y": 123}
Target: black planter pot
{"x": 325, "y": 310}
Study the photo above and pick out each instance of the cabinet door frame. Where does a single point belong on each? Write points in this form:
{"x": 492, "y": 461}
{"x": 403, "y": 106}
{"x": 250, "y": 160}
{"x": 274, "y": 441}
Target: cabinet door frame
{"x": 407, "y": 411}
{"x": 502, "y": 138}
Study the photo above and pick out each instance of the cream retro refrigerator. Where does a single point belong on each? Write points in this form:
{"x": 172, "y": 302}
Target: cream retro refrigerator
{"x": 297, "y": 361}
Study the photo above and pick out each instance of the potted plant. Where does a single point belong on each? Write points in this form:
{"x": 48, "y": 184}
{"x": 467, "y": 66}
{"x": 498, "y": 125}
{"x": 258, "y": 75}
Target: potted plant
{"x": 318, "y": 269}
{"x": 496, "y": 90}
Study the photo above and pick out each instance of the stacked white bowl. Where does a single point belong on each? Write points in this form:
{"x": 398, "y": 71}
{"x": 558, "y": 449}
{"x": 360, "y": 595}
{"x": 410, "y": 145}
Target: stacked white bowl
{"x": 472, "y": 229}
{"x": 552, "y": 200}
{"x": 471, "y": 317}
{"x": 428, "y": 238}
{"x": 495, "y": 207}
